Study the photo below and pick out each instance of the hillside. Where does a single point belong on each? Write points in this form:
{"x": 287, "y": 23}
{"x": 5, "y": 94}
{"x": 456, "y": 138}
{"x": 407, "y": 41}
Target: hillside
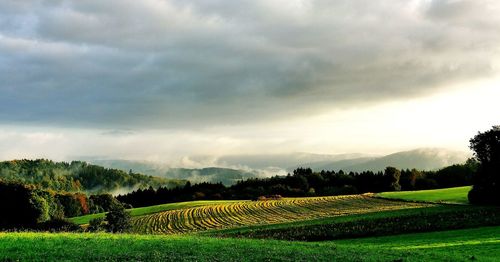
{"x": 227, "y": 176}
{"x": 78, "y": 176}
{"x": 232, "y": 168}
{"x": 284, "y": 161}
{"x": 421, "y": 159}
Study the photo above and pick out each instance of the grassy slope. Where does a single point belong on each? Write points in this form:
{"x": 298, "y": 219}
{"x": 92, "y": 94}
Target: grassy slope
{"x": 141, "y": 211}
{"x": 448, "y": 195}
{"x": 456, "y": 245}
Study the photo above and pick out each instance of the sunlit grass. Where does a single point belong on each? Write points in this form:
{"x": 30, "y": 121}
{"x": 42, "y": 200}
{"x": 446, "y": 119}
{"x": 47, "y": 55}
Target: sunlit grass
{"x": 448, "y": 195}
{"x": 457, "y": 245}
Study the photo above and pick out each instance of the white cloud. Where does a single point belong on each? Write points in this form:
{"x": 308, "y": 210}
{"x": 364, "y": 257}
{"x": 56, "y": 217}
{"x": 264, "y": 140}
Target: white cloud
{"x": 166, "y": 79}
{"x": 445, "y": 120}
{"x": 166, "y": 64}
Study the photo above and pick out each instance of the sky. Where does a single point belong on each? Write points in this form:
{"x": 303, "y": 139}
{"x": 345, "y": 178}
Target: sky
{"x": 162, "y": 80}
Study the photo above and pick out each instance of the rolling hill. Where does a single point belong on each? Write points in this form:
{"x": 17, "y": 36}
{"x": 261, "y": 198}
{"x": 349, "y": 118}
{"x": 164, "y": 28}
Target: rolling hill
{"x": 227, "y": 176}
{"x": 232, "y": 168}
{"x": 421, "y": 159}
{"x": 284, "y": 161}
{"x": 78, "y": 176}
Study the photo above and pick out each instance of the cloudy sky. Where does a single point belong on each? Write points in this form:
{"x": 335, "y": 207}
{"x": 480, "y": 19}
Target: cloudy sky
{"x": 159, "y": 80}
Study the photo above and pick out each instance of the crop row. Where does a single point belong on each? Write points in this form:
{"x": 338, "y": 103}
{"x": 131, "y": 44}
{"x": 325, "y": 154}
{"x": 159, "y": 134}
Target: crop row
{"x": 261, "y": 212}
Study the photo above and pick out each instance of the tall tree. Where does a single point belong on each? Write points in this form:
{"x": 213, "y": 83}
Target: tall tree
{"x": 392, "y": 175}
{"x": 486, "y": 182}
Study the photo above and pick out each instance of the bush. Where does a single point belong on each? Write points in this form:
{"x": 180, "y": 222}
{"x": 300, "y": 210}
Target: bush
{"x": 71, "y": 203}
{"x": 58, "y": 225}
{"x": 118, "y": 220}
{"x": 103, "y": 203}
{"x": 96, "y": 225}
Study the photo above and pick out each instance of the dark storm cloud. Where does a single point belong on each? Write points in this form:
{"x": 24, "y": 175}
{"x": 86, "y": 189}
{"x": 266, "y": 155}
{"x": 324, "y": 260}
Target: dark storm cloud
{"x": 124, "y": 64}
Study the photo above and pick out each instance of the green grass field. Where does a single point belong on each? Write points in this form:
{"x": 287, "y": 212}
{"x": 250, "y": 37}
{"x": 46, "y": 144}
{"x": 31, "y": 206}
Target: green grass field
{"x": 482, "y": 244}
{"x": 446, "y": 195}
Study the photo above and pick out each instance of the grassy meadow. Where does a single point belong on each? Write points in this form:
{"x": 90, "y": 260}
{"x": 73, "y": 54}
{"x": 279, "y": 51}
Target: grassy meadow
{"x": 482, "y": 244}
{"x": 457, "y": 195}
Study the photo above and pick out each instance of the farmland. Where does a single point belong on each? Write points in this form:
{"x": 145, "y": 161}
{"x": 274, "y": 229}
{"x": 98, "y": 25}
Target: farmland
{"x": 482, "y": 244}
{"x": 141, "y": 211}
{"x": 445, "y": 195}
{"x": 226, "y": 215}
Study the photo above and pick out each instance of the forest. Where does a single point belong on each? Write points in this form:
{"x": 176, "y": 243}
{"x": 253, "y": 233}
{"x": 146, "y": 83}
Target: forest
{"x": 78, "y": 176}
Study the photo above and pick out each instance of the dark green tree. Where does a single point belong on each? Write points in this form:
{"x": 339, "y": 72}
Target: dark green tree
{"x": 22, "y": 206}
{"x": 118, "y": 220}
{"x": 96, "y": 224}
{"x": 392, "y": 175}
{"x": 486, "y": 182}
{"x": 409, "y": 178}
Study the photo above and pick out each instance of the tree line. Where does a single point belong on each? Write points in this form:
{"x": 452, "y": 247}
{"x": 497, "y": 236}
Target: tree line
{"x": 304, "y": 182}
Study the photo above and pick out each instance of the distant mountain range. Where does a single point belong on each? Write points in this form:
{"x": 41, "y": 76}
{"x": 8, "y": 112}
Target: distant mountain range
{"x": 421, "y": 159}
{"x": 229, "y": 169}
{"x": 283, "y": 161}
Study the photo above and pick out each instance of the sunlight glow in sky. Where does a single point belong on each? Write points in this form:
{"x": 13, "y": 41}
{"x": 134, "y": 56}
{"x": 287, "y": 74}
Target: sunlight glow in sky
{"x": 162, "y": 80}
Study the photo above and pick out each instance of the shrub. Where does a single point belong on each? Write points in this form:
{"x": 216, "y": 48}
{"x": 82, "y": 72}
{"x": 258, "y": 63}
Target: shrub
{"x": 58, "y": 225}
{"x": 96, "y": 225}
{"x": 103, "y": 202}
{"x": 118, "y": 220}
